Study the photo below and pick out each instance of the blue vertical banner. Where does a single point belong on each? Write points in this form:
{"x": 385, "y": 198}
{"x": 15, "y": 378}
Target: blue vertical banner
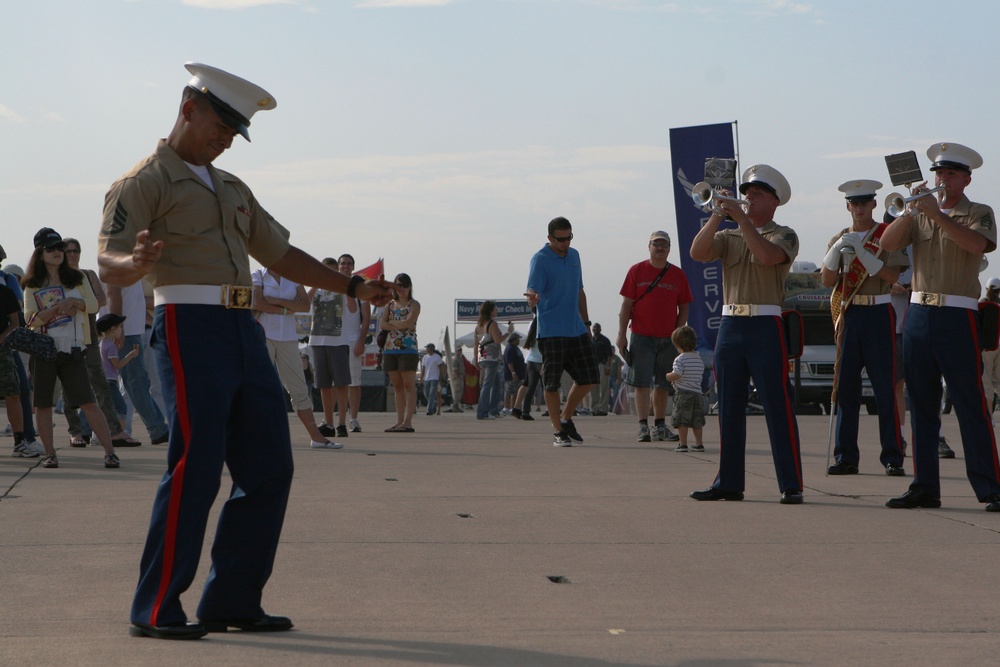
{"x": 689, "y": 148}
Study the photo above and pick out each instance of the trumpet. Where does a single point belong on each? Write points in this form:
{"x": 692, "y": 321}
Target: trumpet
{"x": 895, "y": 204}
{"x": 702, "y": 194}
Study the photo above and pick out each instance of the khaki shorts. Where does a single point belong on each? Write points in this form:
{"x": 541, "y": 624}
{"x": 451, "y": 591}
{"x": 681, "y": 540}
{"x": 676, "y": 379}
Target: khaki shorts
{"x": 689, "y": 410}
{"x": 9, "y": 384}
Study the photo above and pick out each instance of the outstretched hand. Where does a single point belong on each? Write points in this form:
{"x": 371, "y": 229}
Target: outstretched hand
{"x": 376, "y": 292}
{"x": 146, "y": 253}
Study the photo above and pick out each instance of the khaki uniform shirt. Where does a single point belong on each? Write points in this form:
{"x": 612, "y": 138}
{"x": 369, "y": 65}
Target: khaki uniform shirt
{"x": 939, "y": 265}
{"x": 873, "y": 285}
{"x": 744, "y": 279}
{"x": 207, "y": 236}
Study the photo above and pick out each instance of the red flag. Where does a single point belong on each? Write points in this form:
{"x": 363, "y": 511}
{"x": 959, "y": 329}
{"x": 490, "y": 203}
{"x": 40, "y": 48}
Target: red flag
{"x": 373, "y": 272}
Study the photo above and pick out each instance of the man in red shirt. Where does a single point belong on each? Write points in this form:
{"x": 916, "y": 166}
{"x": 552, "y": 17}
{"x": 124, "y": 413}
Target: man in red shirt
{"x": 655, "y": 298}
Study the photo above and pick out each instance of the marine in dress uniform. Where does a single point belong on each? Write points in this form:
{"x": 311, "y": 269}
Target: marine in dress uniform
{"x": 756, "y": 258}
{"x": 190, "y": 227}
{"x": 949, "y": 235}
{"x": 862, "y": 274}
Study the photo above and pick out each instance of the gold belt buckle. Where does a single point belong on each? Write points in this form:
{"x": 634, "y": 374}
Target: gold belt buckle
{"x": 929, "y": 299}
{"x": 864, "y": 300}
{"x": 235, "y": 296}
{"x": 741, "y": 309}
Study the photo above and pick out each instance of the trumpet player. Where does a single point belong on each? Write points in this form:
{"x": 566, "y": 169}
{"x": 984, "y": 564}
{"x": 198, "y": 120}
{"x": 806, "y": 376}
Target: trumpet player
{"x": 756, "y": 258}
{"x": 941, "y": 335}
{"x": 862, "y": 274}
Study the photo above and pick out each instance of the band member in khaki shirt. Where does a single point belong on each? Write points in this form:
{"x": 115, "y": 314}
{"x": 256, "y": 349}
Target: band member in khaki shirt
{"x": 862, "y": 273}
{"x": 191, "y": 228}
{"x": 756, "y": 258}
{"x": 949, "y": 235}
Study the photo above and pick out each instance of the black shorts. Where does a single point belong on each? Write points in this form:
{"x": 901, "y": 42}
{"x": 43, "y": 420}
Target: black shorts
{"x": 71, "y": 369}
{"x": 574, "y": 355}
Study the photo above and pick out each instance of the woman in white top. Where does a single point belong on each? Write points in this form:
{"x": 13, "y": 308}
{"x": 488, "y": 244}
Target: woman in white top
{"x": 277, "y": 299}
{"x": 57, "y": 299}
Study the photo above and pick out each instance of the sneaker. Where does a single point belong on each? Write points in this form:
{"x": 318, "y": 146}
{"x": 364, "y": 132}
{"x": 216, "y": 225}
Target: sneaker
{"x": 355, "y": 426}
{"x": 681, "y": 448}
{"x": 569, "y": 428}
{"x": 341, "y": 431}
{"x": 7, "y": 432}
{"x": 516, "y": 413}
{"x": 643, "y": 435}
{"x": 326, "y": 430}
{"x": 659, "y": 432}
{"x": 944, "y": 451}
{"x": 560, "y": 439}
{"x": 697, "y": 448}
{"x": 28, "y": 450}
{"x": 326, "y": 444}
{"x": 50, "y": 461}
{"x": 669, "y": 435}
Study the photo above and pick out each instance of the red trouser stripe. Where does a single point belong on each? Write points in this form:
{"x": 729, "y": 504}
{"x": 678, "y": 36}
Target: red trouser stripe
{"x": 177, "y": 478}
{"x": 789, "y": 410}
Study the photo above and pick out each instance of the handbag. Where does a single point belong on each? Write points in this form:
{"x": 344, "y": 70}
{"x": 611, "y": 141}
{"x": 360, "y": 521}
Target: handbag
{"x": 31, "y": 342}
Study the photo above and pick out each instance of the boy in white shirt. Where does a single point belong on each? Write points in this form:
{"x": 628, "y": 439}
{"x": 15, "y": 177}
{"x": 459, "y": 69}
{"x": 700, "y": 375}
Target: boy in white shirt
{"x": 686, "y": 376}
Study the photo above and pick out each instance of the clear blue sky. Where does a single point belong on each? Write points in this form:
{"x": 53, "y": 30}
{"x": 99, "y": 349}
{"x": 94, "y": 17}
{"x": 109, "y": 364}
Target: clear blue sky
{"x": 444, "y": 135}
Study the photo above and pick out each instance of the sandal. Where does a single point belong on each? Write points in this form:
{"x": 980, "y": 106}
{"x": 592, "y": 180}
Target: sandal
{"x": 50, "y": 461}
{"x": 77, "y": 441}
{"x": 127, "y": 441}
{"x": 111, "y": 461}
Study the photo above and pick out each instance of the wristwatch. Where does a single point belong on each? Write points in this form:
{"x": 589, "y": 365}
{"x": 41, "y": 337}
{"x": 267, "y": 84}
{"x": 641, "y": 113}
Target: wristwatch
{"x": 352, "y": 287}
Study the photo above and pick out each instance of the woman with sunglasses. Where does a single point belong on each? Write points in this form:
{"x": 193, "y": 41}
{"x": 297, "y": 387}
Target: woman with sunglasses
{"x": 401, "y": 355}
{"x": 57, "y": 299}
{"x": 79, "y": 428}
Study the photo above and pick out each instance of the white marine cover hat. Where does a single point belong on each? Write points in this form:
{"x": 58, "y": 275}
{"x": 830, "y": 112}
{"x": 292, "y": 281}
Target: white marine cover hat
{"x": 860, "y": 190}
{"x": 236, "y": 100}
{"x": 770, "y": 178}
{"x": 947, "y": 155}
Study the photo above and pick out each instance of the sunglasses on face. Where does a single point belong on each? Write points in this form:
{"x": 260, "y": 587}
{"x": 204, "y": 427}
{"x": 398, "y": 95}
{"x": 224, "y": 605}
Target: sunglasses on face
{"x": 56, "y": 248}
{"x": 562, "y": 239}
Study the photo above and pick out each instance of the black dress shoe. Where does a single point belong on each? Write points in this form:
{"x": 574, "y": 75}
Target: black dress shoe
{"x": 263, "y": 624}
{"x": 894, "y": 471}
{"x": 912, "y": 499}
{"x": 791, "y": 497}
{"x": 712, "y": 493}
{"x": 993, "y": 504}
{"x": 842, "y": 468}
{"x": 179, "y": 631}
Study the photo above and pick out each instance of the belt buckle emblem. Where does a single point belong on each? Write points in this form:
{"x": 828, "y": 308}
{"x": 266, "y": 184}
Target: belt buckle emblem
{"x": 235, "y": 296}
{"x": 928, "y": 299}
{"x": 741, "y": 310}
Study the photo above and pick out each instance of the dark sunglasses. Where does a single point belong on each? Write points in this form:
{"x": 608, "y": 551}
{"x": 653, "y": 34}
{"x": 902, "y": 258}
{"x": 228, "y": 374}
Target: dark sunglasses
{"x": 562, "y": 239}
{"x": 61, "y": 247}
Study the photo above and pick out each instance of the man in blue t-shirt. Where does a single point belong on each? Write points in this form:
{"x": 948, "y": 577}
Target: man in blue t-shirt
{"x": 555, "y": 289}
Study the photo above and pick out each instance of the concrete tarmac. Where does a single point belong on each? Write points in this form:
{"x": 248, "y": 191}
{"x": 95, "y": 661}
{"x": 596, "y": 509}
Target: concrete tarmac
{"x": 477, "y": 543}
